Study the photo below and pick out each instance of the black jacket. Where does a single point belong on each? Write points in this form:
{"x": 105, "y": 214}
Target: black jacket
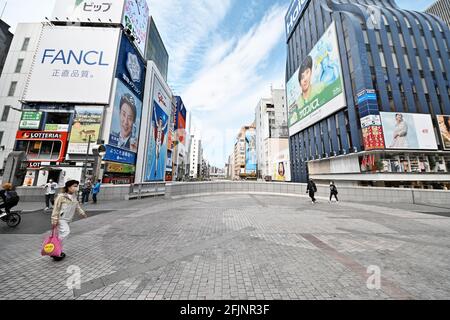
{"x": 311, "y": 187}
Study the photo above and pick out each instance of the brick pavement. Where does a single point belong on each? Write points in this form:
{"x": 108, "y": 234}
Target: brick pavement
{"x": 237, "y": 247}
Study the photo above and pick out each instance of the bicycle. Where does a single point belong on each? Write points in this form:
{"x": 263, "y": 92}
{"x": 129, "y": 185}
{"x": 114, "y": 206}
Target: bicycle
{"x": 12, "y": 219}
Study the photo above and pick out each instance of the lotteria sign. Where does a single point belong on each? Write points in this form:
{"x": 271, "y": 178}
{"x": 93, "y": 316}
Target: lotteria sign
{"x": 295, "y": 11}
{"x": 31, "y": 135}
{"x": 73, "y": 65}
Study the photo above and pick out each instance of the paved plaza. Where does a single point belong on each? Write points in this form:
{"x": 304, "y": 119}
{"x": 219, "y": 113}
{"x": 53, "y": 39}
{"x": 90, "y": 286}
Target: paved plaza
{"x": 236, "y": 246}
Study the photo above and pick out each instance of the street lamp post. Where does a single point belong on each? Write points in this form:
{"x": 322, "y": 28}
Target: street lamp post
{"x": 86, "y": 161}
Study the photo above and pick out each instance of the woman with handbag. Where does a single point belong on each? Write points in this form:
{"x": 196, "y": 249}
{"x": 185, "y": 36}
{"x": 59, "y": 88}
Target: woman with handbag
{"x": 66, "y": 205}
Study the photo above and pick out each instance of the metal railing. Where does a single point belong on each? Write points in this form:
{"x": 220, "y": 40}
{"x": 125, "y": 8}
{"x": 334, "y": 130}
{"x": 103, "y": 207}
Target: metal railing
{"x": 150, "y": 189}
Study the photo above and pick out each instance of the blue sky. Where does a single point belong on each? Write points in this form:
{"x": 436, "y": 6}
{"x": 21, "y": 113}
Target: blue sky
{"x": 224, "y": 56}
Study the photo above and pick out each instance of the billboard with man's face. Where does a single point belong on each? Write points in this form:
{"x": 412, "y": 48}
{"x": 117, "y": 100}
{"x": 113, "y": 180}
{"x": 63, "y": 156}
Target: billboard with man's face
{"x": 126, "y": 119}
{"x": 408, "y": 131}
{"x": 316, "y": 90}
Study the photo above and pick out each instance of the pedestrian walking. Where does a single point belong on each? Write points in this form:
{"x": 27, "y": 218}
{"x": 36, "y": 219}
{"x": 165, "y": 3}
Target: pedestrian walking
{"x": 333, "y": 191}
{"x": 87, "y": 189}
{"x": 312, "y": 189}
{"x": 50, "y": 191}
{"x": 96, "y": 191}
{"x": 66, "y": 206}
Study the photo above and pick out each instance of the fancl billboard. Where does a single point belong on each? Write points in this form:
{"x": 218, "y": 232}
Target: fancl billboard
{"x": 73, "y": 65}
{"x": 294, "y": 13}
{"x": 95, "y": 11}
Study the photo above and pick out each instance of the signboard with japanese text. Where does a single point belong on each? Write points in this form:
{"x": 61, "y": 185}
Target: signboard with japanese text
{"x": 112, "y": 167}
{"x": 73, "y": 69}
{"x": 87, "y": 123}
{"x": 30, "y": 120}
{"x": 88, "y": 11}
{"x": 118, "y": 155}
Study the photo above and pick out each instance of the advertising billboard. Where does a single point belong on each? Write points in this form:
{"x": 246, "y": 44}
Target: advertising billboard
{"x": 88, "y": 11}
{"x": 130, "y": 67}
{"x": 444, "y": 128}
{"x": 250, "y": 151}
{"x": 87, "y": 122}
{"x": 159, "y": 130}
{"x": 126, "y": 119}
{"x": 408, "y": 131}
{"x": 73, "y": 65}
{"x": 135, "y": 18}
{"x": 30, "y": 120}
{"x": 372, "y": 132}
{"x": 180, "y": 122}
{"x": 316, "y": 90}
{"x": 113, "y": 167}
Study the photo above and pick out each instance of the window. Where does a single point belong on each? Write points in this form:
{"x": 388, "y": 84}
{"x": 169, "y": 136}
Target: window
{"x": 12, "y": 89}
{"x": 1, "y": 136}
{"x": 19, "y": 66}
{"x": 5, "y": 113}
{"x": 58, "y": 118}
{"x": 25, "y": 44}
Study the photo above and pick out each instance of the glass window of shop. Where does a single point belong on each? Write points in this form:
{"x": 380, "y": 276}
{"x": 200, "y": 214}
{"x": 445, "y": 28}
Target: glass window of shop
{"x": 40, "y": 150}
{"x": 407, "y": 163}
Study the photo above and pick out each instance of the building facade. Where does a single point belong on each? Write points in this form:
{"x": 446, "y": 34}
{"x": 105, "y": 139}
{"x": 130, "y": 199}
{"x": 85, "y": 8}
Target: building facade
{"x": 368, "y": 94}
{"x": 5, "y": 42}
{"x": 272, "y": 135}
{"x": 196, "y": 157}
{"x": 12, "y": 83}
{"x": 441, "y": 9}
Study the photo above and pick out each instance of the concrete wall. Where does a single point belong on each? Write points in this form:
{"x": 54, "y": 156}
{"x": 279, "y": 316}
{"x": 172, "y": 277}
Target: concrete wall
{"x": 107, "y": 192}
{"x": 346, "y": 193}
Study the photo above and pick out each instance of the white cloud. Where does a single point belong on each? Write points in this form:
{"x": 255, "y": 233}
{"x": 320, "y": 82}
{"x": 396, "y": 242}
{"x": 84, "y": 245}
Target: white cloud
{"x": 224, "y": 94}
{"x": 184, "y": 27}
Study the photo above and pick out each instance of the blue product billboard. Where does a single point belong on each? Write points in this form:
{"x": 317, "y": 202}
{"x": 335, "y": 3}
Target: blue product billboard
{"x": 130, "y": 67}
{"x": 157, "y": 151}
{"x": 250, "y": 151}
{"x": 126, "y": 119}
{"x": 118, "y": 155}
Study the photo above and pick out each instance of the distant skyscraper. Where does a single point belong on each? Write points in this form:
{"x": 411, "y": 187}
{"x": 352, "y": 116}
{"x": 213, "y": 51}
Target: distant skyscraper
{"x": 441, "y": 8}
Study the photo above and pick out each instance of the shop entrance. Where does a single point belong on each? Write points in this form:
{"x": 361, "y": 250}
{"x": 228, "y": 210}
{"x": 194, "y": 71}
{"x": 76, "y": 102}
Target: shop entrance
{"x": 54, "y": 175}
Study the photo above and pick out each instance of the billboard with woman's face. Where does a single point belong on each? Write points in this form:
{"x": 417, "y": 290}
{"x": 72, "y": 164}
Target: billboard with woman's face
{"x": 126, "y": 120}
{"x": 250, "y": 152}
{"x": 444, "y": 128}
{"x": 316, "y": 90}
{"x": 408, "y": 131}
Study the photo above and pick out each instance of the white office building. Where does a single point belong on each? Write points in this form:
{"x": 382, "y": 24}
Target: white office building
{"x": 272, "y": 134}
{"x": 12, "y": 83}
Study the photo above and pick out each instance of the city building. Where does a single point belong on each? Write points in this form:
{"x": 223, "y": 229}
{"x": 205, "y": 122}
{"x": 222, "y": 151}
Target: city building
{"x": 368, "y": 94}
{"x": 441, "y": 9}
{"x": 272, "y": 137}
{"x": 5, "y": 42}
{"x": 85, "y": 93}
{"x": 12, "y": 83}
{"x": 196, "y": 156}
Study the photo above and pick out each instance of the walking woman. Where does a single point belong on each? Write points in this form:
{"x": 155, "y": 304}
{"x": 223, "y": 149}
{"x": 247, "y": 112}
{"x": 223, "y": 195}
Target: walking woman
{"x": 66, "y": 205}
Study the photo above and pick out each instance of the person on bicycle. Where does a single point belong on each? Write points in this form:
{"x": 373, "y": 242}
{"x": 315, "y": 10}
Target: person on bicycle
{"x": 9, "y": 199}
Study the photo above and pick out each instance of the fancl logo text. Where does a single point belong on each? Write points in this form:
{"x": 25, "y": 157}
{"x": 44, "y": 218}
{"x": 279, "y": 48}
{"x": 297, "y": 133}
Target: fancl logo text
{"x": 79, "y": 57}
{"x": 294, "y": 13}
